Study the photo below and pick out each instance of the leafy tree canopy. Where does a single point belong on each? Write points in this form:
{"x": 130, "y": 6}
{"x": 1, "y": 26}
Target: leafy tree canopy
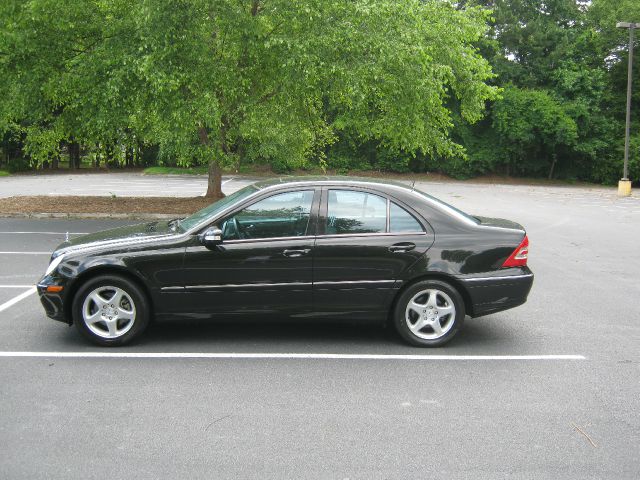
{"x": 264, "y": 79}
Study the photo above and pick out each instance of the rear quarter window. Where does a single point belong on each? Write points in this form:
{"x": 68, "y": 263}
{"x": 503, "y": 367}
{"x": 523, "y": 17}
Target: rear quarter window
{"x": 401, "y": 221}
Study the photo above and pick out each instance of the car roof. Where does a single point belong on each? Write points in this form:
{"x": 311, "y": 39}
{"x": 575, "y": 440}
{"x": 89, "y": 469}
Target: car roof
{"x": 329, "y": 180}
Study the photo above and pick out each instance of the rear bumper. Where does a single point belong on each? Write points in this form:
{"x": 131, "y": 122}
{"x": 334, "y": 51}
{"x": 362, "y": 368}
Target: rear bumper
{"x": 501, "y": 291}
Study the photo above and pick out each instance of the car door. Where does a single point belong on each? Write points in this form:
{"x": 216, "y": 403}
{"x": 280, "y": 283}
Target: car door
{"x": 365, "y": 241}
{"x": 264, "y": 262}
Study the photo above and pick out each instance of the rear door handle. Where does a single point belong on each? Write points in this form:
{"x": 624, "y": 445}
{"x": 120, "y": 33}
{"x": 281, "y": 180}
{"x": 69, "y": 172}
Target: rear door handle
{"x": 296, "y": 253}
{"x": 402, "y": 247}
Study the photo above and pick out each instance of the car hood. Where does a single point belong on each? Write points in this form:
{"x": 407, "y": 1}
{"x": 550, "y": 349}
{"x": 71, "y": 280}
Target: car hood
{"x": 117, "y": 237}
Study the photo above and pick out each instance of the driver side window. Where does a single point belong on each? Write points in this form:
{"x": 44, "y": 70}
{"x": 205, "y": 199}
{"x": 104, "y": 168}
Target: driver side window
{"x": 282, "y": 215}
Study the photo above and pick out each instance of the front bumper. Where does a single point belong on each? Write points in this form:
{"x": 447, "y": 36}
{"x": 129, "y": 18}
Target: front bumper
{"x": 498, "y": 292}
{"x": 53, "y": 302}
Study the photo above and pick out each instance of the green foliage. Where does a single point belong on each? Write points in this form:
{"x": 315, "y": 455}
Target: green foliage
{"x": 365, "y": 84}
{"x": 4, "y": 173}
{"x": 18, "y": 164}
{"x": 532, "y": 125}
{"x": 608, "y": 169}
{"x": 230, "y": 80}
{"x": 561, "y": 63}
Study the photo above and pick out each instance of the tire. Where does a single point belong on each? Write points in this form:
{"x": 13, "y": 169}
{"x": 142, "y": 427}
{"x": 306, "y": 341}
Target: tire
{"x": 418, "y": 313}
{"x": 110, "y": 310}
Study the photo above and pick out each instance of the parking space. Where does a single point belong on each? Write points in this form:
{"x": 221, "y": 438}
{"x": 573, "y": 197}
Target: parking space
{"x": 248, "y": 408}
{"x": 10, "y": 292}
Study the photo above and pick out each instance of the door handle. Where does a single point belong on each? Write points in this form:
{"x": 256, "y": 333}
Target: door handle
{"x": 402, "y": 247}
{"x": 296, "y": 253}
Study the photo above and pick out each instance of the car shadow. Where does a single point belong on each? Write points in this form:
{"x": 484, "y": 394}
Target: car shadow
{"x": 267, "y": 333}
{"x": 251, "y": 334}
{"x": 478, "y": 336}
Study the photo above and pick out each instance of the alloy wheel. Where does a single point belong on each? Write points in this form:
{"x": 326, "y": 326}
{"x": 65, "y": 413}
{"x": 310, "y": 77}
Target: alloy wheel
{"x": 430, "y": 314}
{"x": 108, "y": 312}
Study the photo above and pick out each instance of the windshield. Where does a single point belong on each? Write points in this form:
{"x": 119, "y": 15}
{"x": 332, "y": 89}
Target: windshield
{"x": 216, "y": 207}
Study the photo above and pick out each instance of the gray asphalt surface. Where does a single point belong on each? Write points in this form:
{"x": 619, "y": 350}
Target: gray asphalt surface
{"x": 302, "y": 418}
{"x": 113, "y": 183}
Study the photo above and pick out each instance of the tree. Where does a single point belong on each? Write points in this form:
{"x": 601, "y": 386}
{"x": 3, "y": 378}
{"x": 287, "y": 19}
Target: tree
{"x": 214, "y": 80}
{"x": 549, "y": 57}
{"x": 532, "y": 125}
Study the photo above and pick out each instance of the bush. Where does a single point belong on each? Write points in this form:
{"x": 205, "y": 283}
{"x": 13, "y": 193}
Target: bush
{"x": 19, "y": 164}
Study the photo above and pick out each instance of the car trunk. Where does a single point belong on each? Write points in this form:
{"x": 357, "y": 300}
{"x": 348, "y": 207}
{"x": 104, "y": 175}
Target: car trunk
{"x": 498, "y": 222}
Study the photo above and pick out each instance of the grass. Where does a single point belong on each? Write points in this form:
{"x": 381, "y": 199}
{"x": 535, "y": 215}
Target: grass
{"x": 4, "y": 173}
{"x": 175, "y": 170}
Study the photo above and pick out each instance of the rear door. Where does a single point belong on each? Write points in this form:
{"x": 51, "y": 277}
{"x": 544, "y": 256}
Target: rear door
{"x": 365, "y": 241}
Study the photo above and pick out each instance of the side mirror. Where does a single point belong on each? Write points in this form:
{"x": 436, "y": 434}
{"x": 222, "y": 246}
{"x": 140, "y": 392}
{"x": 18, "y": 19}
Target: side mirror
{"x": 212, "y": 237}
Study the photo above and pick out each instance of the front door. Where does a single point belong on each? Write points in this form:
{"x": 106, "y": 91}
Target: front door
{"x": 264, "y": 263}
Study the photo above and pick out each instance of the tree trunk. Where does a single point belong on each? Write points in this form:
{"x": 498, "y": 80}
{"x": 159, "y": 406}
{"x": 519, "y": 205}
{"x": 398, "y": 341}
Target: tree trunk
{"x": 54, "y": 162}
{"x": 214, "y": 183}
{"x": 74, "y": 155}
{"x": 110, "y": 161}
{"x": 553, "y": 164}
{"x": 129, "y": 156}
{"x": 70, "y": 151}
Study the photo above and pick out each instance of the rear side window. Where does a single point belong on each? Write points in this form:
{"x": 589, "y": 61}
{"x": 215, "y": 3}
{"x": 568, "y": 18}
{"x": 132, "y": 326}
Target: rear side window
{"x": 355, "y": 212}
{"x": 402, "y": 221}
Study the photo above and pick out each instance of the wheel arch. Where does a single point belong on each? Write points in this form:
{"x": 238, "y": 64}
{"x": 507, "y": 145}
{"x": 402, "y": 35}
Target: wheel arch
{"x": 96, "y": 271}
{"x": 468, "y": 305}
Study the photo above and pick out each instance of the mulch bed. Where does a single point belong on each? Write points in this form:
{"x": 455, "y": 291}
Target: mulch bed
{"x": 103, "y": 205}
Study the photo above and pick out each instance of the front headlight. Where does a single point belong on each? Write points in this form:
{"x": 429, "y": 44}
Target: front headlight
{"x": 53, "y": 265}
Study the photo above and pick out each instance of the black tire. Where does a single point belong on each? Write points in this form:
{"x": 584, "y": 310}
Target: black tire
{"x": 133, "y": 304}
{"x": 403, "y": 316}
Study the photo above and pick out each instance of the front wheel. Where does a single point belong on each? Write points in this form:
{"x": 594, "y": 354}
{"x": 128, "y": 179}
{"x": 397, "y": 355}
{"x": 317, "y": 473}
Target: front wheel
{"x": 110, "y": 310}
{"x": 429, "y": 313}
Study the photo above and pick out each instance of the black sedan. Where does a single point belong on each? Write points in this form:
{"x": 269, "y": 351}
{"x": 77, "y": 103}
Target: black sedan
{"x": 300, "y": 247}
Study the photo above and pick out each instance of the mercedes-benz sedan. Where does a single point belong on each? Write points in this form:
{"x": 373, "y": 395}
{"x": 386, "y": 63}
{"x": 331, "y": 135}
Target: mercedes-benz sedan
{"x": 299, "y": 247}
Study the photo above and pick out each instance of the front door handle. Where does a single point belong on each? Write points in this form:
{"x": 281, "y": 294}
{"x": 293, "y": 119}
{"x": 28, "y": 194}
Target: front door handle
{"x": 402, "y": 247}
{"x": 296, "y": 253}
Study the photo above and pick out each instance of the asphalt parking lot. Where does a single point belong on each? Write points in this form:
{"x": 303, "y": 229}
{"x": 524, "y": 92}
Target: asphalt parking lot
{"x": 548, "y": 390}
{"x": 115, "y": 183}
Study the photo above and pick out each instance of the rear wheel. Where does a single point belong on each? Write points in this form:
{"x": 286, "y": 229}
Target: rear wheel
{"x": 110, "y": 310}
{"x": 429, "y": 313}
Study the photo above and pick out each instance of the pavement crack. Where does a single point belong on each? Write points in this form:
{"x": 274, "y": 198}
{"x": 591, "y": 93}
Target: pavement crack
{"x": 577, "y": 428}
{"x": 217, "y": 420}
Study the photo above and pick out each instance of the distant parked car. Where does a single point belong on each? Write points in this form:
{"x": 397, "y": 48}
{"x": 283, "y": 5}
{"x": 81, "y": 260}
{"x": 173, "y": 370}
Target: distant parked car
{"x": 300, "y": 247}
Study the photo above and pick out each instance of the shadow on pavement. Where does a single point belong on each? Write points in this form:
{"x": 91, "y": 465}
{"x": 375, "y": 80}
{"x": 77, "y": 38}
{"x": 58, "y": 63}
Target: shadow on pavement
{"x": 276, "y": 335}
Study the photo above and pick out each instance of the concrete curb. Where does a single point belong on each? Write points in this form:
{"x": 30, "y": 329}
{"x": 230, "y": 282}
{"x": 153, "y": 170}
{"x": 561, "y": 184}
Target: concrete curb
{"x": 115, "y": 216}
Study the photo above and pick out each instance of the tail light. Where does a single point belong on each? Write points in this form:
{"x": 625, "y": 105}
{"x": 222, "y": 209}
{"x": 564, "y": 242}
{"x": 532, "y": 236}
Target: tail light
{"x": 519, "y": 256}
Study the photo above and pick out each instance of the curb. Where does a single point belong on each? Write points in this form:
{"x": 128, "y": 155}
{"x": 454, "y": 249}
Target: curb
{"x": 115, "y": 216}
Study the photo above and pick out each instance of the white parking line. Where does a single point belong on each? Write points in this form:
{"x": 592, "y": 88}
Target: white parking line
{"x": 16, "y": 286}
{"x": 25, "y": 253}
{"x": 287, "y": 356}
{"x": 15, "y": 300}
{"x": 46, "y": 233}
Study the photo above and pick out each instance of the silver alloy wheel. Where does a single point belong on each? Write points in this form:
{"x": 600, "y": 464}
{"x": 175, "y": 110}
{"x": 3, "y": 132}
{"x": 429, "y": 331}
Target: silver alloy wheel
{"x": 430, "y": 314}
{"x": 108, "y": 312}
